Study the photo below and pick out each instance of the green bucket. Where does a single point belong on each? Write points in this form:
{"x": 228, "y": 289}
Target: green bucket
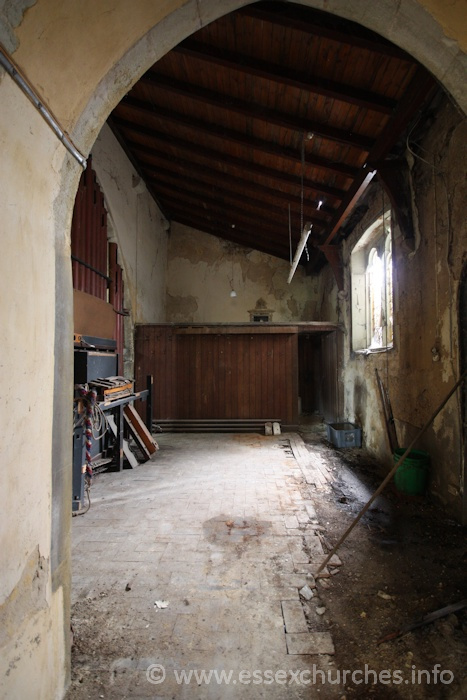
{"x": 412, "y": 475}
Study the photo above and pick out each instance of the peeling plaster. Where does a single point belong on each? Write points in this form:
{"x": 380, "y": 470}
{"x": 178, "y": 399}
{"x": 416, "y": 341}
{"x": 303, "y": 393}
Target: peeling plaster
{"x": 206, "y": 268}
{"x": 261, "y": 273}
{"x": 136, "y": 224}
{"x": 82, "y": 95}
{"x": 293, "y": 307}
{"x": 426, "y": 289}
{"x": 28, "y": 597}
{"x": 11, "y": 16}
{"x": 450, "y": 15}
{"x": 181, "y": 308}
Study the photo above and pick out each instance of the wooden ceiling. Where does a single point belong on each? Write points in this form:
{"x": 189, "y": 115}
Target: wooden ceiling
{"x": 270, "y": 108}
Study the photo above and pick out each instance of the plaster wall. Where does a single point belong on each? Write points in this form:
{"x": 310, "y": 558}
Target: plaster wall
{"x": 35, "y": 576}
{"x": 101, "y": 49}
{"x": 326, "y": 294}
{"x": 140, "y": 230}
{"x": 424, "y": 363}
{"x": 82, "y": 57}
{"x": 203, "y": 270}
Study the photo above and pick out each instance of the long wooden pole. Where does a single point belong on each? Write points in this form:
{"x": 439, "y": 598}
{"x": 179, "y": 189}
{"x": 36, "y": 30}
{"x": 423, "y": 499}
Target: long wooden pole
{"x": 387, "y": 410}
{"x": 390, "y": 475}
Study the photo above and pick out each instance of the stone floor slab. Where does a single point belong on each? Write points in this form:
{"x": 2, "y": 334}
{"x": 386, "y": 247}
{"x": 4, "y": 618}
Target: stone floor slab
{"x": 215, "y": 529}
{"x": 294, "y": 617}
{"x": 310, "y": 643}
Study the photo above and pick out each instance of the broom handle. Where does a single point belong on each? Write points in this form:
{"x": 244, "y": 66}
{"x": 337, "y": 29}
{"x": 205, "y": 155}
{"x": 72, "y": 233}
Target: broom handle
{"x": 390, "y": 475}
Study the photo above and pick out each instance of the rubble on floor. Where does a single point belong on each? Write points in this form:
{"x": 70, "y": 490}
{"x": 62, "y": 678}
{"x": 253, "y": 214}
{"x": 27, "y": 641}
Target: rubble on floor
{"x": 226, "y": 532}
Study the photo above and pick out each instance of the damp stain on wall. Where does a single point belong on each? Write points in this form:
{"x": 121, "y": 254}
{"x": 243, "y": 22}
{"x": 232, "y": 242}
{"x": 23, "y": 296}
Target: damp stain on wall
{"x": 181, "y": 308}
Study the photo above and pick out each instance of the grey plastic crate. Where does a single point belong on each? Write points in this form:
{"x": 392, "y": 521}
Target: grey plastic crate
{"x": 344, "y": 434}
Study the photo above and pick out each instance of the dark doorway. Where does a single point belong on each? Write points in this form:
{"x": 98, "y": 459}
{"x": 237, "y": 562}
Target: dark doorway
{"x": 317, "y": 374}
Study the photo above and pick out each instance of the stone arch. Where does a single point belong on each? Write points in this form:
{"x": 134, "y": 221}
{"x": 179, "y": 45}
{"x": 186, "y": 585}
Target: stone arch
{"x": 39, "y": 182}
{"x": 410, "y": 27}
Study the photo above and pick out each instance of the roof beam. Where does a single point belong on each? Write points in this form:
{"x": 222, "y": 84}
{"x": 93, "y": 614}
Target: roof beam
{"x": 243, "y": 238}
{"x": 218, "y": 225}
{"x": 217, "y": 158}
{"x": 420, "y": 89}
{"x": 357, "y": 190}
{"x": 214, "y": 131}
{"x": 202, "y": 173}
{"x": 232, "y": 213}
{"x": 295, "y": 18}
{"x": 253, "y": 111}
{"x": 285, "y": 76}
{"x": 231, "y": 218}
{"x": 161, "y": 181}
{"x": 235, "y": 211}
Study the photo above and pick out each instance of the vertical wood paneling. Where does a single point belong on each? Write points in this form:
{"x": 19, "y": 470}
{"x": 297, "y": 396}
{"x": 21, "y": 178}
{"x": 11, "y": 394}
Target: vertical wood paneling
{"x": 154, "y": 354}
{"x": 292, "y": 343}
{"x": 244, "y": 407}
{"x": 87, "y": 229}
{"x": 215, "y": 376}
{"x": 181, "y": 379}
{"x": 116, "y": 292}
{"x": 251, "y": 408}
{"x": 119, "y": 319}
{"x": 228, "y": 377}
{"x": 89, "y": 236}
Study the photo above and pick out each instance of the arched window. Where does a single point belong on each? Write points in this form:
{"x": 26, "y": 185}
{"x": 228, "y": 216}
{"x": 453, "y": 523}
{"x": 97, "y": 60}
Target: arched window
{"x": 389, "y": 292}
{"x": 372, "y": 288}
{"x": 375, "y": 284}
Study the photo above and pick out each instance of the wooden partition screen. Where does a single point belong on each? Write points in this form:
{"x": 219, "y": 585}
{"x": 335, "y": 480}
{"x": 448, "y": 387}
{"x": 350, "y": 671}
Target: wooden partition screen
{"x": 220, "y": 372}
{"x": 95, "y": 263}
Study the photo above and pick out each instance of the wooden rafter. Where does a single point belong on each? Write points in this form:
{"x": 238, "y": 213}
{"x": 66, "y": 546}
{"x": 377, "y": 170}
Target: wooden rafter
{"x": 240, "y": 236}
{"x": 216, "y": 159}
{"x": 235, "y": 216}
{"x": 394, "y": 174}
{"x": 278, "y": 74}
{"x": 219, "y": 128}
{"x": 294, "y": 18}
{"x": 421, "y": 87}
{"x": 205, "y": 174}
{"x": 163, "y": 181}
{"x": 276, "y": 219}
{"x": 248, "y": 109}
{"x": 212, "y": 131}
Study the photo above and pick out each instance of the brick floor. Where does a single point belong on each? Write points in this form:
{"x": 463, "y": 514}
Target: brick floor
{"x": 220, "y": 527}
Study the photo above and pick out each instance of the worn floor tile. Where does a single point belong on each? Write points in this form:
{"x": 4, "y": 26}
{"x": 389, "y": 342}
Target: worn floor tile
{"x": 294, "y": 617}
{"x": 310, "y": 643}
{"x": 217, "y": 530}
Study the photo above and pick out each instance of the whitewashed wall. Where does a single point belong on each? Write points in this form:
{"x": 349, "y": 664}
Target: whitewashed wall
{"x": 203, "y": 269}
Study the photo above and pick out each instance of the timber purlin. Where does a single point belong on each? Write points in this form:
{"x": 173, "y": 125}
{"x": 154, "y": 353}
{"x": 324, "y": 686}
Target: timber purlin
{"x": 273, "y": 105}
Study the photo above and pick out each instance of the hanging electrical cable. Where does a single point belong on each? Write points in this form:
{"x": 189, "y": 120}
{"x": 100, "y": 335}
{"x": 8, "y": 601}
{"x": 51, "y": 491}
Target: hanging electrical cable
{"x": 302, "y": 193}
{"x": 290, "y": 237}
{"x": 305, "y": 229}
